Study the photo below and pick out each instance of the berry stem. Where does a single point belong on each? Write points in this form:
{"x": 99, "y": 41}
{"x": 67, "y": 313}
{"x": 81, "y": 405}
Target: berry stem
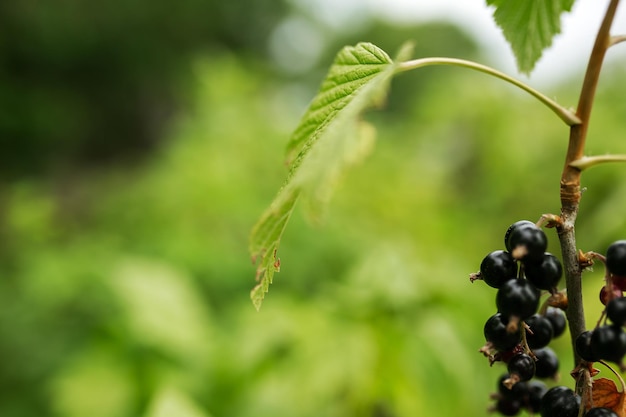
{"x": 617, "y": 375}
{"x": 570, "y": 182}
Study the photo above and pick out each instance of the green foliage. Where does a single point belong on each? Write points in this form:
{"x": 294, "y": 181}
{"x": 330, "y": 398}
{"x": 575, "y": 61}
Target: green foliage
{"x": 124, "y": 294}
{"x": 529, "y": 26}
{"x": 87, "y": 85}
{"x": 329, "y": 137}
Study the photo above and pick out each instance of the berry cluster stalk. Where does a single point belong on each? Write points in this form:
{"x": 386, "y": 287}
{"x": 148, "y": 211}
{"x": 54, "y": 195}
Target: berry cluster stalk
{"x": 570, "y": 179}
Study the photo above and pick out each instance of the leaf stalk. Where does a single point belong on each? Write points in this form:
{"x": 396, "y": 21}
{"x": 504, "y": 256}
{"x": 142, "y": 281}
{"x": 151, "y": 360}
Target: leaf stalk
{"x": 590, "y": 161}
{"x": 564, "y": 114}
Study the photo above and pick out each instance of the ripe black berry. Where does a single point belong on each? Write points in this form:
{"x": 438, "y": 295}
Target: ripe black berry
{"x": 616, "y": 258}
{"x": 540, "y": 333}
{"x": 545, "y": 273}
{"x": 536, "y": 391}
{"x": 531, "y": 238}
{"x": 521, "y": 367}
{"x": 517, "y": 391}
{"x": 557, "y": 319}
{"x": 616, "y": 311}
{"x": 517, "y": 298}
{"x": 512, "y": 228}
{"x": 600, "y": 412}
{"x": 608, "y": 342}
{"x": 560, "y": 402}
{"x": 547, "y": 364}
{"x": 583, "y": 347}
{"x": 497, "y": 268}
{"x": 495, "y": 331}
{"x": 508, "y": 406}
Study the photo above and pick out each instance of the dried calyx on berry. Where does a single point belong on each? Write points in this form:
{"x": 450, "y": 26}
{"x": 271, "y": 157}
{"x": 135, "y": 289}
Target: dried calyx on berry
{"x": 526, "y": 241}
{"x": 497, "y": 336}
{"x": 517, "y": 299}
{"x": 521, "y": 368}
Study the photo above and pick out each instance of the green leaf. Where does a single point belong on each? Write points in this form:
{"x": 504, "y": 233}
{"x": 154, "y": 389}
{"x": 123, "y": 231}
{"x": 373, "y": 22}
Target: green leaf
{"x": 529, "y": 26}
{"x": 330, "y": 137}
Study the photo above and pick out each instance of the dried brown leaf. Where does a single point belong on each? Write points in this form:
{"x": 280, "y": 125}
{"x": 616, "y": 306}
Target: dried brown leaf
{"x": 606, "y": 394}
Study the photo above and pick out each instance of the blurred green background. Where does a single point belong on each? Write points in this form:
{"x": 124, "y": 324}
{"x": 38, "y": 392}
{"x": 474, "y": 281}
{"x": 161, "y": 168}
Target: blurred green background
{"x": 142, "y": 140}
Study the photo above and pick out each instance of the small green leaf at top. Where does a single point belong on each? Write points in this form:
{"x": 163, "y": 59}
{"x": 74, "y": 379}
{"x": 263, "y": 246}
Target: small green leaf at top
{"x": 330, "y": 137}
{"x": 529, "y": 26}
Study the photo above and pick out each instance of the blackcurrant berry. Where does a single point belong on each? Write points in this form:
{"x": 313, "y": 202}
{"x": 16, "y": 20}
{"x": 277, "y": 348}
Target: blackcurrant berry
{"x": 616, "y": 258}
{"x": 495, "y": 331}
{"x": 540, "y": 333}
{"x": 600, "y": 412}
{"x": 531, "y": 238}
{"x": 616, "y": 311}
{"x": 547, "y": 364}
{"x": 583, "y": 347}
{"x": 557, "y": 319}
{"x": 608, "y": 342}
{"x": 517, "y": 391}
{"x": 508, "y": 406}
{"x": 560, "y": 401}
{"x": 497, "y": 268}
{"x": 546, "y": 273}
{"x": 536, "y": 391}
{"x": 606, "y": 295}
{"x": 521, "y": 367}
{"x": 517, "y": 298}
{"x": 510, "y": 230}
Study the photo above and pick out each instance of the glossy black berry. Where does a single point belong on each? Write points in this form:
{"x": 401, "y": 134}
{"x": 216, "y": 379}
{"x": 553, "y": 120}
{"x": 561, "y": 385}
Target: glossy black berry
{"x": 600, "y": 412}
{"x": 531, "y": 238}
{"x": 583, "y": 347}
{"x": 560, "y": 402}
{"x": 517, "y": 297}
{"x": 616, "y": 258}
{"x": 517, "y": 391}
{"x": 547, "y": 364}
{"x": 546, "y": 273}
{"x": 536, "y": 390}
{"x": 609, "y": 343}
{"x": 557, "y": 319}
{"x": 522, "y": 366}
{"x": 616, "y": 311}
{"x": 497, "y": 268}
{"x": 511, "y": 229}
{"x": 495, "y": 331}
{"x": 508, "y": 406}
{"x": 540, "y": 333}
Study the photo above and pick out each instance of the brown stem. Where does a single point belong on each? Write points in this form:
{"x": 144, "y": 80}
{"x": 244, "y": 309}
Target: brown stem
{"x": 570, "y": 179}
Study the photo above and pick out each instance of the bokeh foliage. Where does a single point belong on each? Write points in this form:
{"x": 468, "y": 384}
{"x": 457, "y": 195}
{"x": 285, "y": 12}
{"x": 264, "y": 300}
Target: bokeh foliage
{"x": 124, "y": 291}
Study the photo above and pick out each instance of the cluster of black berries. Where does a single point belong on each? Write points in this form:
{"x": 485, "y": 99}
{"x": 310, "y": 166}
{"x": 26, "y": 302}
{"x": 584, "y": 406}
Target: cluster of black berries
{"x": 518, "y": 334}
{"x": 608, "y": 341}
